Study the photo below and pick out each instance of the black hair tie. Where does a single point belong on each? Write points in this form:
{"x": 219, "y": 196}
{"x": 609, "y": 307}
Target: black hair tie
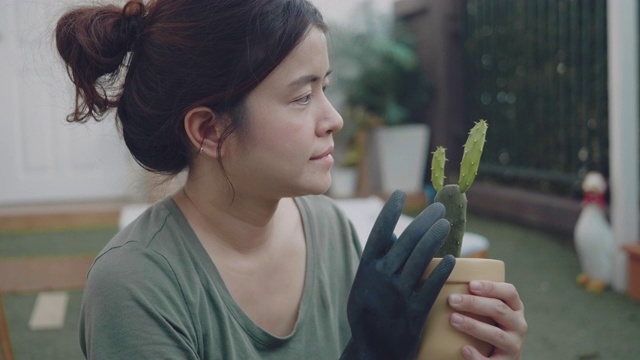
{"x": 132, "y": 24}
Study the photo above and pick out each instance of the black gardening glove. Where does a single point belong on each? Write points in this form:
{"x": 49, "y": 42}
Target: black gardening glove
{"x": 387, "y": 306}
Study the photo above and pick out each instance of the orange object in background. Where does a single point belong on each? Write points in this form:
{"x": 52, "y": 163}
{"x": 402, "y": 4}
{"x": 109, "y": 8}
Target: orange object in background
{"x": 633, "y": 280}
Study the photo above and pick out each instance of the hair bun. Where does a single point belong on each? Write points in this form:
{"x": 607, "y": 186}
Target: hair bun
{"x": 132, "y": 24}
{"x": 94, "y": 41}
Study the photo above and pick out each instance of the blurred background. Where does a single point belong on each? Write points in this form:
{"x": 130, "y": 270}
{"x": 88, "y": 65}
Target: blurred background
{"x": 557, "y": 80}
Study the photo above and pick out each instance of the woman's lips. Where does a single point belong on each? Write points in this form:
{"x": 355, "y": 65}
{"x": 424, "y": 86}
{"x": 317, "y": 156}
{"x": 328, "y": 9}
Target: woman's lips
{"x": 323, "y": 155}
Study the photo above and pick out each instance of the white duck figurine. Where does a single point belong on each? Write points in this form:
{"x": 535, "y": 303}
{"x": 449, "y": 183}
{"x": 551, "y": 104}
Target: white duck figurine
{"x": 593, "y": 236}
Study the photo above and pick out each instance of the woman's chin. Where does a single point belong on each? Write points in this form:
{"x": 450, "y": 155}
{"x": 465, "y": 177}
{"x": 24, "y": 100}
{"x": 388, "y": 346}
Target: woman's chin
{"x": 319, "y": 190}
{"x": 318, "y": 187}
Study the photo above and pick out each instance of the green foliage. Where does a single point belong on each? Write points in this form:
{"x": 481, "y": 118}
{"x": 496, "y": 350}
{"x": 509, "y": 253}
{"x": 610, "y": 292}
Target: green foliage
{"x": 378, "y": 69}
{"x": 390, "y": 84}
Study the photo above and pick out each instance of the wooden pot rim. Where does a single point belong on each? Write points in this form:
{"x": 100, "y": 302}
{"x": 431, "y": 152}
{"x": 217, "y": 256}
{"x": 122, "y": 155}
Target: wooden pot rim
{"x": 468, "y": 269}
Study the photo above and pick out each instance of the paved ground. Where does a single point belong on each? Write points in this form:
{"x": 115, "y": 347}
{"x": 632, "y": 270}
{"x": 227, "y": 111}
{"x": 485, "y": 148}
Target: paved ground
{"x": 35, "y": 263}
{"x": 565, "y": 321}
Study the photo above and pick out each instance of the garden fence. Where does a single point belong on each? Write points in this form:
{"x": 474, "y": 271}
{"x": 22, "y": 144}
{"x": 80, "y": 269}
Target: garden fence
{"x": 537, "y": 70}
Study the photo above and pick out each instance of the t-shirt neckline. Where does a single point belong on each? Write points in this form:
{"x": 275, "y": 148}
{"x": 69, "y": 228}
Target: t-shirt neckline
{"x": 256, "y": 332}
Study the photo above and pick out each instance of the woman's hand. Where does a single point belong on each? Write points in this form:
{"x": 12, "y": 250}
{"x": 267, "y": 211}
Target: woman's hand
{"x": 499, "y": 301}
{"x": 388, "y": 303}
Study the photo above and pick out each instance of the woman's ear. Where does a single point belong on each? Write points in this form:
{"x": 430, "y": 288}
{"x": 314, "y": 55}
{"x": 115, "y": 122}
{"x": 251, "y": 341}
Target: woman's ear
{"x": 204, "y": 128}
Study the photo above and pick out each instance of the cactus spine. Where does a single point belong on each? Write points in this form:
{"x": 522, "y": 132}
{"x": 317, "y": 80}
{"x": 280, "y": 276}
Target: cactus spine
{"x": 453, "y": 196}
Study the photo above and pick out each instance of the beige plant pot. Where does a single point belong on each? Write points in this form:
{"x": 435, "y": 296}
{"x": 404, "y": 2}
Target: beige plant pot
{"x": 440, "y": 340}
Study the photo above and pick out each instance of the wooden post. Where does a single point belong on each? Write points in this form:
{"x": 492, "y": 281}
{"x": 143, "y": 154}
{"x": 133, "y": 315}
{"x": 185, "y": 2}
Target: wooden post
{"x": 622, "y": 20}
{"x": 438, "y": 26}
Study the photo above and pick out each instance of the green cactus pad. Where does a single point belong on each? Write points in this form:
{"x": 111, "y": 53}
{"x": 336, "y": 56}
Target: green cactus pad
{"x": 437, "y": 168}
{"x": 455, "y": 203}
{"x": 472, "y": 153}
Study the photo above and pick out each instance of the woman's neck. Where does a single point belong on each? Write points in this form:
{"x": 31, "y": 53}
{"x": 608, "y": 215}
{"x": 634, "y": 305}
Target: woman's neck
{"x": 243, "y": 222}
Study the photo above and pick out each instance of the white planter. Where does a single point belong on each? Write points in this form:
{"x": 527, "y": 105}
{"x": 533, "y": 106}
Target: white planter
{"x": 344, "y": 181}
{"x": 397, "y": 157}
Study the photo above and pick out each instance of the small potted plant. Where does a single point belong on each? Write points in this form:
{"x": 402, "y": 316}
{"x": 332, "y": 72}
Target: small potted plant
{"x": 441, "y": 340}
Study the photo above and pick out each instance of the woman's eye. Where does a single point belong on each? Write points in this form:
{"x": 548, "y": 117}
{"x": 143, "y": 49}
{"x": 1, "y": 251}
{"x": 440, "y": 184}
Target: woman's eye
{"x": 304, "y": 100}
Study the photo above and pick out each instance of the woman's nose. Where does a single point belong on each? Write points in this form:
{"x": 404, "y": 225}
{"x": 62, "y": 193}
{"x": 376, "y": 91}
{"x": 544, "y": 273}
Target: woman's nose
{"x": 331, "y": 121}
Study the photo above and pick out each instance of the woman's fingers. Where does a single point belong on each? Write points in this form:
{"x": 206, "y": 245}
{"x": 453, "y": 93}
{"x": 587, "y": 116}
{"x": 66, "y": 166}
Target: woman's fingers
{"x": 471, "y": 353}
{"x": 411, "y": 238}
{"x": 489, "y": 307}
{"x": 498, "y": 290}
{"x": 381, "y": 237}
{"x": 505, "y": 342}
{"x": 422, "y": 254}
{"x": 500, "y": 302}
{"x": 431, "y": 288}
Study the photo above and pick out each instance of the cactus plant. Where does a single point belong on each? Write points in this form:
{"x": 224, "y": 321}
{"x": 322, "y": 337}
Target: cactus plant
{"x": 453, "y": 196}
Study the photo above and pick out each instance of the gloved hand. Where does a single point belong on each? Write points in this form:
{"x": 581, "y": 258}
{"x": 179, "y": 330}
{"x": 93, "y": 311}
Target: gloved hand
{"x": 387, "y": 306}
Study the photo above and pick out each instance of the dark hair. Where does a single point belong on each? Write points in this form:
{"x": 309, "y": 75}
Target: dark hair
{"x": 177, "y": 54}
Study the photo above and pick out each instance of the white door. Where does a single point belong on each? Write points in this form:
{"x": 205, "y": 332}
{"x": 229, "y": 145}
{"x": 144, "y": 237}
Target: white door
{"x": 42, "y": 157}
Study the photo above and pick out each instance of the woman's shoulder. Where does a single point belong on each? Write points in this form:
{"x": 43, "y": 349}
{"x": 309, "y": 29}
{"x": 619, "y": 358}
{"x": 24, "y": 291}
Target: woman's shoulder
{"x": 147, "y": 226}
{"x": 320, "y": 206}
{"x": 133, "y": 288}
{"x": 325, "y": 220}
{"x": 145, "y": 241}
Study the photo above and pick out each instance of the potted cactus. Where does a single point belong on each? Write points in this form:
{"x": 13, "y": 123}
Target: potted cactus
{"x": 453, "y": 196}
{"x": 441, "y": 341}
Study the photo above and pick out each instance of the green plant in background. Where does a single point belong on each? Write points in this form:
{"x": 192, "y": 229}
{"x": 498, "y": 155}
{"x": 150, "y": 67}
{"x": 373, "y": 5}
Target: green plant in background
{"x": 363, "y": 121}
{"x": 390, "y": 83}
{"x": 453, "y": 196}
{"x": 380, "y": 80}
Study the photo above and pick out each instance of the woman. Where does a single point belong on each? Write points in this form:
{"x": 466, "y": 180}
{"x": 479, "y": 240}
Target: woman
{"x": 247, "y": 260}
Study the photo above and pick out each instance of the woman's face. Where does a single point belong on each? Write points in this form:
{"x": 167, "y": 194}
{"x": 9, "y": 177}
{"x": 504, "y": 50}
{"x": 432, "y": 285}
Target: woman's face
{"x": 286, "y": 149}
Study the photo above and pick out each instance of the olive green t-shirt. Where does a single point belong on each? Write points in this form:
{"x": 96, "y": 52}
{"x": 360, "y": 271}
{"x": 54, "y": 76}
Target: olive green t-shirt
{"x": 154, "y": 293}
